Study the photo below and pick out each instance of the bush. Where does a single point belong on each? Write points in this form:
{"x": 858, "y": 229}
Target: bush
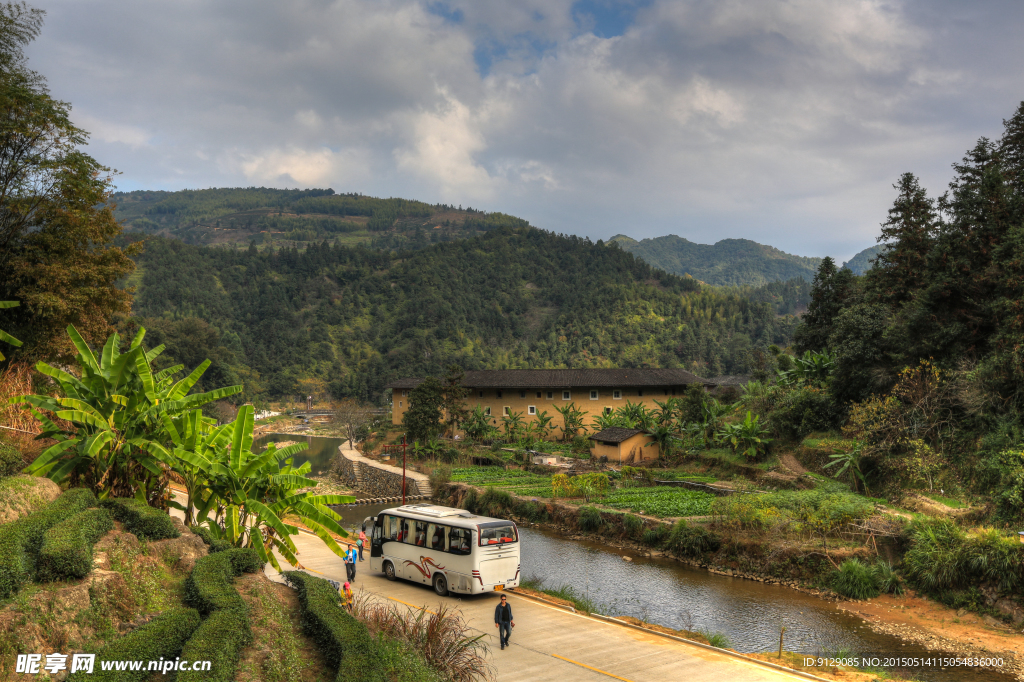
{"x": 21, "y": 540}
{"x": 208, "y": 588}
{"x": 162, "y": 637}
{"x": 805, "y": 410}
{"x": 440, "y": 476}
{"x": 493, "y": 502}
{"x": 220, "y": 640}
{"x": 886, "y": 578}
{"x": 11, "y": 461}
{"x": 140, "y": 519}
{"x": 943, "y": 556}
{"x": 213, "y": 542}
{"x": 634, "y": 525}
{"x": 691, "y": 541}
{"x": 589, "y": 519}
{"x": 66, "y": 551}
{"x": 655, "y": 536}
{"x": 855, "y": 580}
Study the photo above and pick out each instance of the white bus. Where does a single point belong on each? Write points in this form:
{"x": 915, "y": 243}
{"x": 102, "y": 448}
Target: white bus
{"x": 451, "y": 549}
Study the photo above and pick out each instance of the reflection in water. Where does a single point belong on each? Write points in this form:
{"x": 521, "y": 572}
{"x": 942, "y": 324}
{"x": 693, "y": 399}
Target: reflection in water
{"x": 319, "y": 452}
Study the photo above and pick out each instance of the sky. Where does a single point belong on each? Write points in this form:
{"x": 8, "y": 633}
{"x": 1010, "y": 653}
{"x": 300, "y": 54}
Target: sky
{"x": 782, "y": 121}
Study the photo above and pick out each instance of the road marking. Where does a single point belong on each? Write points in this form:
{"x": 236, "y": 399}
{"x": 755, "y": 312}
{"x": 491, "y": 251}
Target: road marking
{"x": 596, "y": 670}
{"x": 411, "y": 606}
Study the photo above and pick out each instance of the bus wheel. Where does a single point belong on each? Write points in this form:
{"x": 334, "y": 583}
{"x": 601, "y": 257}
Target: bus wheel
{"x": 440, "y": 585}
{"x": 389, "y": 570}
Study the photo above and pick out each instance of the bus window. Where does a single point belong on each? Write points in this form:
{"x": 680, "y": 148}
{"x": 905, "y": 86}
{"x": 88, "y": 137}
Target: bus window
{"x": 437, "y": 538}
{"x": 421, "y": 533}
{"x": 391, "y": 528}
{"x": 459, "y": 540}
{"x": 497, "y": 533}
{"x": 409, "y": 531}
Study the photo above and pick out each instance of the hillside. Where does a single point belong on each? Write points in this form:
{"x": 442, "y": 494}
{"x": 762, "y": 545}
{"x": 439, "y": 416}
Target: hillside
{"x": 730, "y": 262}
{"x": 349, "y": 319}
{"x": 240, "y": 216}
{"x": 862, "y": 262}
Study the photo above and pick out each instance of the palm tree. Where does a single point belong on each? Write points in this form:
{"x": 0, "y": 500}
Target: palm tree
{"x": 542, "y": 425}
{"x": 513, "y": 424}
{"x": 572, "y": 420}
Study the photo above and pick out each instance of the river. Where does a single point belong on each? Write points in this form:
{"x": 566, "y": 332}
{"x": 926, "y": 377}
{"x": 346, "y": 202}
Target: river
{"x": 668, "y": 593}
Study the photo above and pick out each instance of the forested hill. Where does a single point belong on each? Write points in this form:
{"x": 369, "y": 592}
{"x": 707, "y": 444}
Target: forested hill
{"x": 240, "y": 216}
{"x": 863, "y": 261}
{"x": 283, "y": 321}
{"x": 730, "y": 262}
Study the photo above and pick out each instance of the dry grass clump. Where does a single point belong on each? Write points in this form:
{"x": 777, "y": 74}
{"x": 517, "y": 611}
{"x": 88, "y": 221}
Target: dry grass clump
{"x": 441, "y": 637}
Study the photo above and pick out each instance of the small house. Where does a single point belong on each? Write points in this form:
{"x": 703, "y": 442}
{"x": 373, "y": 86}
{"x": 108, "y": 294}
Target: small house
{"x": 624, "y": 446}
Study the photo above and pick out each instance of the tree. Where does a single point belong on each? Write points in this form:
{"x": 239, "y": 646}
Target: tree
{"x": 572, "y": 420}
{"x": 422, "y": 421}
{"x": 351, "y": 416}
{"x": 829, "y": 291}
{"x": 901, "y": 268}
{"x": 453, "y": 400}
{"x": 56, "y": 227}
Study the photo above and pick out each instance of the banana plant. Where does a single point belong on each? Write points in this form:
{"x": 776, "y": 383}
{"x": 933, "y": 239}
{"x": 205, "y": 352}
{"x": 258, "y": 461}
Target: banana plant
{"x": 4, "y": 336}
{"x": 747, "y": 436}
{"x": 111, "y": 437}
{"x": 252, "y": 496}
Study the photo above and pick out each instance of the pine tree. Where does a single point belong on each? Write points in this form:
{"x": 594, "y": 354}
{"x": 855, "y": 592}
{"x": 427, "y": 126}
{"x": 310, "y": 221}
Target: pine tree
{"x": 829, "y": 291}
{"x": 909, "y": 236}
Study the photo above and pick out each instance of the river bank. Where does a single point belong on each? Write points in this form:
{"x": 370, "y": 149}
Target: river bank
{"x": 916, "y": 622}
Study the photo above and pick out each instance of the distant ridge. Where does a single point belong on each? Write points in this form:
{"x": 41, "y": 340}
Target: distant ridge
{"x": 730, "y": 262}
{"x": 863, "y": 261}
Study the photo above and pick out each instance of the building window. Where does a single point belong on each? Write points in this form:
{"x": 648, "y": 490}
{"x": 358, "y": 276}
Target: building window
{"x": 532, "y": 409}
{"x": 522, "y": 394}
{"x": 505, "y": 410}
{"x": 499, "y": 394}
{"x": 399, "y": 403}
{"x": 593, "y": 395}
{"x": 566, "y": 395}
{"x": 487, "y": 411}
{"x": 617, "y": 395}
{"x": 551, "y": 395}
{"x": 640, "y": 393}
{"x": 538, "y": 394}
{"x": 481, "y": 394}
{"x": 607, "y": 410}
{"x": 405, "y": 394}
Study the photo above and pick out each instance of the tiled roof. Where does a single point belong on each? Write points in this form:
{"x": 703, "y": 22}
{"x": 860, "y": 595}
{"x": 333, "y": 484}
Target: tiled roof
{"x": 615, "y": 435}
{"x": 568, "y": 378}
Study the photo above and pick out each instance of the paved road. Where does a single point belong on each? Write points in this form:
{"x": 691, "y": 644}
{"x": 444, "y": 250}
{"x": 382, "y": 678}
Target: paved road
{"x": 551, "y": 644}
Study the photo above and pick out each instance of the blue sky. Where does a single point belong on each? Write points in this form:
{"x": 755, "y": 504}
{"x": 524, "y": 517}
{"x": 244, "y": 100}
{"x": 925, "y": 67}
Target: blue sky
{"x": 782, "y": 121}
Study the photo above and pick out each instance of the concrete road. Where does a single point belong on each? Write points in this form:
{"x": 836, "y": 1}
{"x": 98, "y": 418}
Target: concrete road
{"x": 548, "y": 643}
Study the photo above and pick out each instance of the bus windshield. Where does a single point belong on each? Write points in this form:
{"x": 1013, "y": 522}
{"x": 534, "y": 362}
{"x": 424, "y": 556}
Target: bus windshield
{"x": 497, "y": 533}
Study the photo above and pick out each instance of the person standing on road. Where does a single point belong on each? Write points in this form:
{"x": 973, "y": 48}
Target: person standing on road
{"x": 350, "y": 563}
{"x": 360, "y": 543}
{"x": 503, "y": 621}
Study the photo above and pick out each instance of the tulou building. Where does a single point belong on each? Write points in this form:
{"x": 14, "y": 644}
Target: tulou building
{"x": 532, "y": 391}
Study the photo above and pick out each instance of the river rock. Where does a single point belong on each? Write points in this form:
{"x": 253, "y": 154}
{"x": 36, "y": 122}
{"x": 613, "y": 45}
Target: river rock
{"x": 627, "y": 558}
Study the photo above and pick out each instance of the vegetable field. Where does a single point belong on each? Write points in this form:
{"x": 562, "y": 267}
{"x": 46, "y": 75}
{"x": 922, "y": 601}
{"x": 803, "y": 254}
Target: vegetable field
{"x": 661, "y": 501}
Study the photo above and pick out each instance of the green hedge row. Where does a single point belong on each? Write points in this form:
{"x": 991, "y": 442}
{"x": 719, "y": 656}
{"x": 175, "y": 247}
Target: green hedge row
{"x": 162, "y": 637}
{"x": 226, "y": 631}
{"x": 21, "y": 540}
{"x": 208, "y": 588}
{"x": 220, "y": 640}
{"x": 140, "y": 519}
{"x": 67, "y": 547}
{"x": 214, "y": 543}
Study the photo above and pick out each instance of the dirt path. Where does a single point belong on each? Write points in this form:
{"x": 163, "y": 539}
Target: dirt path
{"x": 789, "y": 461}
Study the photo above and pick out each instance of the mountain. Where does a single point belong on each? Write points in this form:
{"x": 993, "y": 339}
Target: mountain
{"x": 730, "y": 262}
{"x": 344, "y": 320}
{"x": 239, "y": 216}
{"x": 862, "y": 262}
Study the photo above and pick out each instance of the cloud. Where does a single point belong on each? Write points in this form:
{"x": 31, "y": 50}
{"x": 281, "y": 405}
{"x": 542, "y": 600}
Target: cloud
{"x": 784, "y": 121}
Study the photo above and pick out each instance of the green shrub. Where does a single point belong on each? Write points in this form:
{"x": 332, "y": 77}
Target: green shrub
{"x": 220, "y": 640}
{"x": 140, "y": 519}
{"x": 21, "y": 540}
{"x": 691, "y": 541}
{"x": 886, "y": 578}
{"x": 589, "y": 519}
{"x": 634, "y": 525}
{"x": 11, "y": 461}
{"x": 805, "y": 410}
{"x": 718, "y": 640}
{"x": 66, "y": 552}
{"x": 942, "y": 556}
{"x": 340, "y": 637}
{"x": 494, "y": 502}
{"x": 162, "y": 637}
{"x": 208, "y": 588}
{"x": 855, "y": 580}
{"x": 213, "y": 542}
{"x": 655, "y": 536}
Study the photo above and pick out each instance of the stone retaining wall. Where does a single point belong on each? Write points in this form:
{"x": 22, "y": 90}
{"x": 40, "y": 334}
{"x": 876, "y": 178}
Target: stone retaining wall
{"x": 345, "y": 470}
{"x": 385, "y": 483}
{"x": 378, "y": 480}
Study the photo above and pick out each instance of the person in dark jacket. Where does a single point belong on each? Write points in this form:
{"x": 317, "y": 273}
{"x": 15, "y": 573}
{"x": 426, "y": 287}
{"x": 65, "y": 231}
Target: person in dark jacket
{"x": 503, "y": 621}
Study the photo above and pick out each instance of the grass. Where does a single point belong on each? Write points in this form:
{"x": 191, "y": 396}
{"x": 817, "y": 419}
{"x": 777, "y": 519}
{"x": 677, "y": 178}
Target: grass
{"x": 581, "y": 602}
{"x": 276, "y": 655}
{"x": 664, "y": 501}
{"x": 948, "y": 501}
{"x": 716, "y": 639}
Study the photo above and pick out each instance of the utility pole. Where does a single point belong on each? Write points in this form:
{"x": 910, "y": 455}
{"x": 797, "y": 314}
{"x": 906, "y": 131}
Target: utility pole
{"x": 403, "y": 470}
